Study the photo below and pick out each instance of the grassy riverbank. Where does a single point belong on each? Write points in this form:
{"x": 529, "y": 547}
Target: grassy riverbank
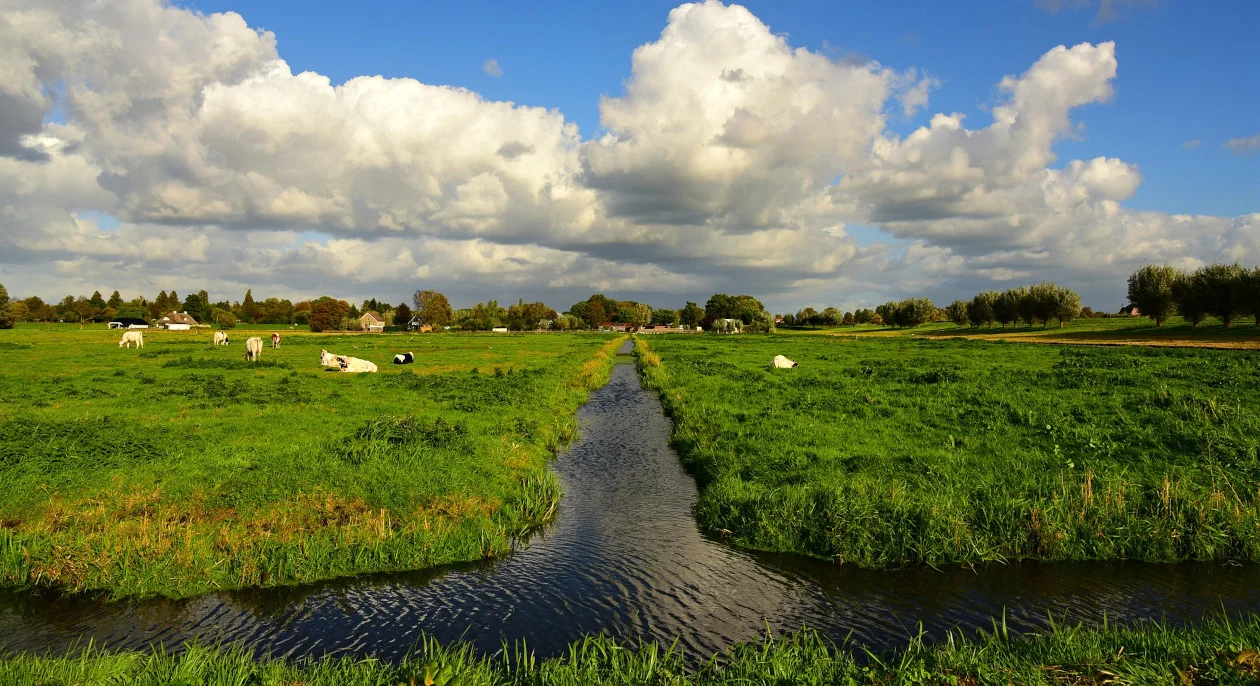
{"x": 180, "y": 468}
{"x": 1218, "y": 652}
{"x": 888, "y": 452}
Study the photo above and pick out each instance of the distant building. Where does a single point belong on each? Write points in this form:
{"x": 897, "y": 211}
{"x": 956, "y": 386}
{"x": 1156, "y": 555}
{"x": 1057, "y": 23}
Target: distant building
{"x": 500, "y": 329}
{"x": 129, "y": 323}
{"x": 371, "y": 321}
{"x": 416, "y": 325}
{"x": 177, "y": 321}
{"x": 616, "y": 327}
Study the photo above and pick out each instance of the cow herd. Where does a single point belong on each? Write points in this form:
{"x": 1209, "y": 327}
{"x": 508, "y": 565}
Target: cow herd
{"x": 254, "y": 346}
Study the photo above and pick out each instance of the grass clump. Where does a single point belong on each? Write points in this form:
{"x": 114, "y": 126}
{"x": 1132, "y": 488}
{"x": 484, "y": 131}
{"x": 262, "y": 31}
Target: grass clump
{"x": 891, "y": 452}
{"x": 1218, "y": 652}
{"x": 140, "y": 474}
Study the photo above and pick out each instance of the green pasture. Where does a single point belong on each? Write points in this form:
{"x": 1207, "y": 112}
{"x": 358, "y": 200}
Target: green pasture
{"x": 912, "y": 450}
{"x": 181, "y": 468}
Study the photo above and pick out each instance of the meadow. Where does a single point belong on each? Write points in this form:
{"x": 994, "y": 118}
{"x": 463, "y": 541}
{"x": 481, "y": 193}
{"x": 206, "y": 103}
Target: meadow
{"x": 180, "y": 468}
{"x": 887, "y": 452}
{"x": 1220, "y": 651}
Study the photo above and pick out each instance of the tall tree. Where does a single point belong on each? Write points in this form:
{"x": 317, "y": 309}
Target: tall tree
{"x": 402, "y": 315}
{"x": 958, "y": 312}
{"x": 691, "y": 315}
{"x": 6, "y": 315}
{"x": 1152, "y": 289}
{"x": 433, "y": 307}
{"x": 1221, "y": 288}
{"x": 1067, "y": 304}
{"x": 115, "y": 300}
{"x": 641, "y": 315}
{"x": 250, "y": 308}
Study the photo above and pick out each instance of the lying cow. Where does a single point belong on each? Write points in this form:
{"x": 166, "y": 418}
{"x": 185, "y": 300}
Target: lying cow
{"x": 404, "y": 358}
{"x": 354, "y": 365}
{"x": 275, "y": 340}
{"x": 130, "y": 337}
{"x": 328, "y": 359}
{"x": 220, "y": 338}
{"x": 253, "y": 349}
{"x": 781, "y": 362}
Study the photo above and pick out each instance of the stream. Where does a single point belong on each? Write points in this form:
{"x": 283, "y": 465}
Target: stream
{"x": 624, "y": 557}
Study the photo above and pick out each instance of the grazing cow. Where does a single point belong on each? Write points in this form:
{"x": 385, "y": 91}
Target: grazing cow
{"x": 253, "y": 349}
{"x": 220, "y": 338}
{"x": 328, "y": 359}
{"x": 404, "y": 358}
{"x": 130, "y": 337}
{"x": 354, "y": 365}
{"x": 781, "y": 362}
{"x": 275, "y": 340}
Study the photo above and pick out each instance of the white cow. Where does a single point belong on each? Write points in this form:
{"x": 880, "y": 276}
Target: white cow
{"x": 329, "y": 360}
{"x": 130, "y": 337}
{"x": 220, "y": 338}
{"x": 275, "y": 340}
{"x": 781, "y": 362}
{"x": 355, "y": 365}
{"x": 253, "y": 349}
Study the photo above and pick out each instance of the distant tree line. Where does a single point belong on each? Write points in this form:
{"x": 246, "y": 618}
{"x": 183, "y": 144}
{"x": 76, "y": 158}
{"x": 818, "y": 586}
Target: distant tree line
{"x": 1039, "y": 302}
{"x": 1224, "y": 291}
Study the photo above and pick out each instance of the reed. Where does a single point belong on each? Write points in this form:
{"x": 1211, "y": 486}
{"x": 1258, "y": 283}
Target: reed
{"x": 1220, "y": 651}
{"x": 901, "y": 451}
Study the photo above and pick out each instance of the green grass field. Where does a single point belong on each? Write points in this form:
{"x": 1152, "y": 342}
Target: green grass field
{"x": 181, "y": 468}
{"x": 1220, "y": 651}
{"x": 1095, "y": 331}
{"x": 903, "y": 451}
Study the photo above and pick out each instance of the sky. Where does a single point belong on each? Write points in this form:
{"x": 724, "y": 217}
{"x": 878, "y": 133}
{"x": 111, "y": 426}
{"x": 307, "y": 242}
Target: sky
{"x": 807, "y": 153}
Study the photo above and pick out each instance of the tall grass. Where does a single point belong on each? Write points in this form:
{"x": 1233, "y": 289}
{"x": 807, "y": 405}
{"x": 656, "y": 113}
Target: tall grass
{"x": 904, "y": 452}
{"x": 1221, "y": 651}
{"x": 140, "y": 474}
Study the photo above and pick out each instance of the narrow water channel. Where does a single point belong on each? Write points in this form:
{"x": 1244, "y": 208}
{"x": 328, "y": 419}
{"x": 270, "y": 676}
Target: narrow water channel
{"x": 624, "y": 557}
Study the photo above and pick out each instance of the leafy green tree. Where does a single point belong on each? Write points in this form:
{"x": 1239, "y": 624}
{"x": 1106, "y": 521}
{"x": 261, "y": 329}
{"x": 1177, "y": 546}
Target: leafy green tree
{"x": 1006, "y": 307}
{"x": 130, "y": 311}
{"x": 1152, "y": 289}
{"x": 433, "y": 308}
{"x": 224, "y": 319}
{"x": 402, "y": 315}
{"x": 1067, "y": 304}
{"x": 115, "y": 300}
{"x": 958, "y": 312}
{"x": 250, "y": 310}
{"x": 888, "y": 313}
{"x": 980, "y": 309}
{"x": 1189, "y": 296}
{"x": 6, "y": 315}
{"x": 830, "y": 317}
{"x": 328, "y": 314}
{"x": 864, "y": 316}
{"x": 691, "y": 315}
{"x": 641, "y": 315}
{"x": 913, "y": 312}
{"x": 1221, "y": 289}
{"x": 847, "y": 320}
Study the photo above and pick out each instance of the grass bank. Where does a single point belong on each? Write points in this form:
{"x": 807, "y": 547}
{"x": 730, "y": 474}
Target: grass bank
{"x": 1218, "y": 652}
{"x": 180, "y": 468}
{"x": 907, "y": 451}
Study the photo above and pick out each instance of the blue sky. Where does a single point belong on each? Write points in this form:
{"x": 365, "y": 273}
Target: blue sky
{"x": 161, "y": 145}
{"x": 1188, "y": 71}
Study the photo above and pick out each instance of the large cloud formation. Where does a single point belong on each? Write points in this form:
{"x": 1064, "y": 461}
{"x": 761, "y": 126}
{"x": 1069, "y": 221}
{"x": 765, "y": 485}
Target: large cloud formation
{"x": 732, "y": 161}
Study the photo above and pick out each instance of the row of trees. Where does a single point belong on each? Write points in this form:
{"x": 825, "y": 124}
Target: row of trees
{"x": 1224, "y": 291}
{"x": 1039, "y": 302}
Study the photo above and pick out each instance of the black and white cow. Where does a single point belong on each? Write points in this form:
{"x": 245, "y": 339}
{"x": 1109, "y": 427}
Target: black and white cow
{"x": 404, "y": 358}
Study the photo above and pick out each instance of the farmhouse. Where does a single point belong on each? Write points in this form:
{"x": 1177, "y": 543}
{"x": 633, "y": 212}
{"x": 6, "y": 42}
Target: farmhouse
{"x": 177, "y": 321}
{"x": 371, "y": 321}
{"x": 416, "y": 325}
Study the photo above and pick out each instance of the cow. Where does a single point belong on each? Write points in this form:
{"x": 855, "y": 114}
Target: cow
{"x": 220, "y": 338}
{"x": 781, "y": 362}
{"x": 354, "y": 365}
{"x": 275, "y": 340}
{"x": 404, "y": 358}
{"x": 328, "y": 359}
{"x": 130, "y": 337}
{"x": 253, "y": 348}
